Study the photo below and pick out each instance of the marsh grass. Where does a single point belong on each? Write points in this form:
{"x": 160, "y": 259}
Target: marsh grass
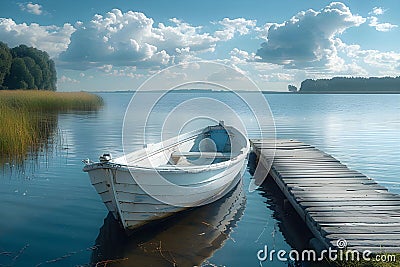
{"x": 45, "y": 101}
{"x": 29, "y": 118}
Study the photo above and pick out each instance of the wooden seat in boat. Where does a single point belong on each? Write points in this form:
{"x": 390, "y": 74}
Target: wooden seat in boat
{"x": 218, "y": 155}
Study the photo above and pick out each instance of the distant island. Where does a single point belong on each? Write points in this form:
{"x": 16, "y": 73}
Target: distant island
{"x": 343, "y": 85}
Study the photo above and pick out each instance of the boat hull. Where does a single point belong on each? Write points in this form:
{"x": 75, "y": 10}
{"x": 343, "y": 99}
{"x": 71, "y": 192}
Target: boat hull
{"x": 131, "y": 202}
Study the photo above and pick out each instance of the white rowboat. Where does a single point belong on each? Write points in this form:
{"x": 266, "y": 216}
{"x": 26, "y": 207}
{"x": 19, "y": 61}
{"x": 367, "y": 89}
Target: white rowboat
{"x": 161, "y": 179}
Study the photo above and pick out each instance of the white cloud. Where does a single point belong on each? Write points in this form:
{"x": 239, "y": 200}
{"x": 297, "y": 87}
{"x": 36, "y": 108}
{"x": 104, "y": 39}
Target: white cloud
{"x": 307, "y": 39}
{"x": 277, "y": 77}
{"x": 263, "y": 30}
{"x": 183, "y": 36}
{"x": 65, "y": 79}
{"x": 51, "y": 39}
{"x": 125, "y": 71}
{"x": 382, "y": 27}
{"x": 132, "y": 39}
{"x": 386, "y": 63}
{"x": 373, "y": 20}
{"x": 32, "y": 8}
{"x": 377, "y": 11}
{"x": 240, "y": 56}
{"x": 310, "y": 41}
{"x": 382, "y": 59}
{"x": 106, "y": 68}
{"x": 228, "y": 74}
{"x": 232, "y": 26}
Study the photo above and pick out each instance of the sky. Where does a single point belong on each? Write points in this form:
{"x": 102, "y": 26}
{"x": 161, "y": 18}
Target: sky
{"x": 102, "y": 45}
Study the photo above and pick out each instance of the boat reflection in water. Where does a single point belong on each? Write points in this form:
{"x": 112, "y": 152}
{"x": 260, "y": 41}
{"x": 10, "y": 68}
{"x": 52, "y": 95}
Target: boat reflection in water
{"x": 187, "y": 239}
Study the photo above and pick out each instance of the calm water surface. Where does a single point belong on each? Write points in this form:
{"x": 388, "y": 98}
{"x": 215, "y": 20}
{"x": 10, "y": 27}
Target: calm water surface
{"x": 52, "y": 216}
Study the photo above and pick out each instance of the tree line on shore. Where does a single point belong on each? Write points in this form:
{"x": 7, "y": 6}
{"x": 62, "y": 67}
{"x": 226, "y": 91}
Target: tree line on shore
{"x": 350, "y": 85}
{"x": 24, "y": 67}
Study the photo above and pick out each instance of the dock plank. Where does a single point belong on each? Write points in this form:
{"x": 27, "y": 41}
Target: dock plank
{"x": 332, "y": 187}
{"x": 356, "y": 208}
{"x": 334, "y": 201}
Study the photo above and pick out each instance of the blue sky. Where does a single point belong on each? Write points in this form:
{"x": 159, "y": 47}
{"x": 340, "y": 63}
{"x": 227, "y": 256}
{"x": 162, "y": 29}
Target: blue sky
{"x": 116, "y": 45}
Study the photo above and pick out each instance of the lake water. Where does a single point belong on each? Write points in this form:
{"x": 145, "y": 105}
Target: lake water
{"x": 51, "y": 215}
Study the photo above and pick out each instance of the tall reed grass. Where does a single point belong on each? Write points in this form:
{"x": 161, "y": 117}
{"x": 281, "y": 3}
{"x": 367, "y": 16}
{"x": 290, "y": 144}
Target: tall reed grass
{"x": 28, "y": 118}
{"x": 33, "y": 100}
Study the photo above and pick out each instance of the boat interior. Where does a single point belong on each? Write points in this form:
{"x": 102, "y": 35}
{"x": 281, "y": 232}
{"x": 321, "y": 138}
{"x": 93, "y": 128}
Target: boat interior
{"x": 212, "y": 145}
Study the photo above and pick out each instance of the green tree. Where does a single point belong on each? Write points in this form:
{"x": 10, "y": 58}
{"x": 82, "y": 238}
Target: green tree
{"x": 24, "y": 67}
{"x": 292, "y": 88}
{"x": 352, "y": 85}
{"x": 5, "y": 62}
{"x": 34, "y": 70}
{"x": 47, "y": 78}
{"x": 53, "y": 75}
{"x": 19, "y": 77}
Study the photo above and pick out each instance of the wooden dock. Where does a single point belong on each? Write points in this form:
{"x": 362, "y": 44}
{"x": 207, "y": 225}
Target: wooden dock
{"x": 334, "y": 201}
